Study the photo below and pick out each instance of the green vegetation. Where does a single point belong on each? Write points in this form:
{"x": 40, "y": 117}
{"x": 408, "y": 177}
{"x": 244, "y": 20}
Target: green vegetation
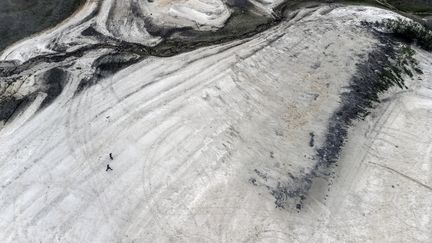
{"x": 404, "y": 63}
{"x": 409, "y": 31}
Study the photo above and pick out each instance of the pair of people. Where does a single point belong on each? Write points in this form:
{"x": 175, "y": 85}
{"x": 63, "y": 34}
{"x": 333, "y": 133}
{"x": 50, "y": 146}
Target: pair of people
{"x": 108, "y": 166}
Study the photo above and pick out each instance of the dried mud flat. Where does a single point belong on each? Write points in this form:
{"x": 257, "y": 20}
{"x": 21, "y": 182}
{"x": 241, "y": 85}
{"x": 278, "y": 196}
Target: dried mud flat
{"x": 305, "y": 126}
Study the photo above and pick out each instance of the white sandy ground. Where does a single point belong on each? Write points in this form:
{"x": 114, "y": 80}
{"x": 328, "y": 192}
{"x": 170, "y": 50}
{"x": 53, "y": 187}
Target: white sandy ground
{"x": 188, "y": 132}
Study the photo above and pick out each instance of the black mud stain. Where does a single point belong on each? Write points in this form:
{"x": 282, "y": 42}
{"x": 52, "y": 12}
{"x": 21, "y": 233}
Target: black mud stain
{"x": 312, "y": 139}
{"x": 272, "y": 154}
{"x": 92, "y": 32}
{"x": 296, "y": 189}
{"x": 54, "y": 81}
{"x": 7, "y": 67}
{"x": 253, "y": 181}
{"x": 107, "y": 65}
{"x": 261, "y": 174}
{"x": 9, "y": 106}
{"x": 240, "y": 4}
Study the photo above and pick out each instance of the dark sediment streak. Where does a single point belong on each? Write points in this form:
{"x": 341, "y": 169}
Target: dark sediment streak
{"x": 106, "y": 66}
{"x": 54, "y": 81}
{"x": 9, "y": 106}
